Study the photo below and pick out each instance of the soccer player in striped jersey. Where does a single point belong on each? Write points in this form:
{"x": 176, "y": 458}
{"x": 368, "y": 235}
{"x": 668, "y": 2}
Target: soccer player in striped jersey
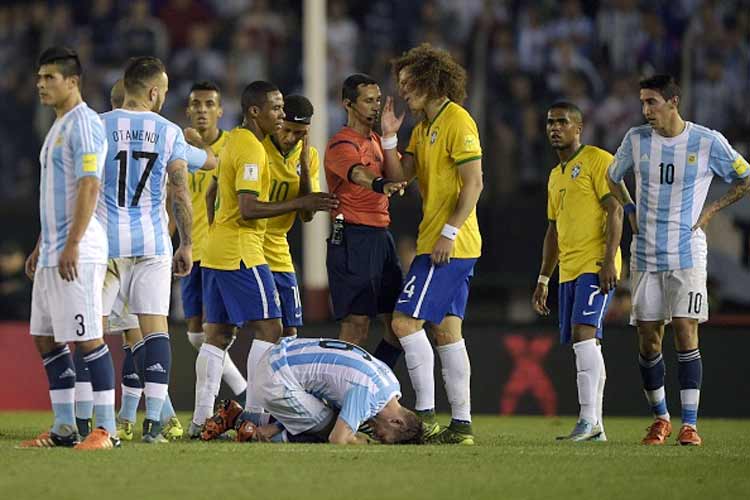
{"x": 445, "y": 156}
{"x": 324, "y": 390}
{"x": 674, "y": 162}
{"x": 70, "y": 260}
{"x": 199, "y": 156}
{"x": 295, "y": 171}
{"x": 146, "y": 152}
{"x": 238, "y": 287}
{"x": 582, "y": 237}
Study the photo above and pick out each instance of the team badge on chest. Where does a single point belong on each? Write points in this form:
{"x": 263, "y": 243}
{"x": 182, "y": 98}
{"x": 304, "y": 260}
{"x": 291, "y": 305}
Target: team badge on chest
{"x": 575, "y": 172}
{"x": 299, "y": 169}
{"x": 433, "y": 136}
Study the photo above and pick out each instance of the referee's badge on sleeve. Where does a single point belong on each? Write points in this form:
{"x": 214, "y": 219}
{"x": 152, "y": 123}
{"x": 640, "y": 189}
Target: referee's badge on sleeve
{"x": 251, "y": 172}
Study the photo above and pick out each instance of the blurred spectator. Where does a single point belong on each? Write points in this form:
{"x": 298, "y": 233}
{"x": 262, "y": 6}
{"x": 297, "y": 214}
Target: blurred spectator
{"x": 140, "y": 33}
{"x": 573, "y": 25}
{"x": 533, "y": 37}
{"x": 712, "y": 96}
{"x": 198, "y": 61}
{"x": 101, "y": 26}
{"x": 618, "y": 29}
{"x": 179, "y": 17}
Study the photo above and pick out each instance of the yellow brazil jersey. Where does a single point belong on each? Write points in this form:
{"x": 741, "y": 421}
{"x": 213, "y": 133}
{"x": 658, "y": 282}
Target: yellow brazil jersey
{"x": 439, "y": 148}
{"x": 284, "y": 171}
{"x": 242, "y": 169}
{"x": 198, "y": 183}
{"x": 574, "y": 194}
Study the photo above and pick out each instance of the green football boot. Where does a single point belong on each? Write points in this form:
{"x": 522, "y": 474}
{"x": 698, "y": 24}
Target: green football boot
{"x": 455, "y": 433}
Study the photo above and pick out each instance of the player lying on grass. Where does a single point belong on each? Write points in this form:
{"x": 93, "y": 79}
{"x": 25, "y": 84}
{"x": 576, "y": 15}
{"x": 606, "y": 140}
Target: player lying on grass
{"x": 320, "y": 390}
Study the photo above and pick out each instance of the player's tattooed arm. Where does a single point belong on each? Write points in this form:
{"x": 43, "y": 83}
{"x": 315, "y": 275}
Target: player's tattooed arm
{"x": 182, "y": 209}
{"x": 181, "y": 205}
{"x": 739, "y": 188}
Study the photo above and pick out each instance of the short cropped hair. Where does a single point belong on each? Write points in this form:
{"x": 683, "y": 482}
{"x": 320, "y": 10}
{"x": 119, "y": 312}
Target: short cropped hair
{"x": 205, "y": 85}
{"x": 256, "y": 94}
{"x": 569, "y": 107}
{"x": 664, "y": 84}
{"x": 412, "y": 433}
{"x": 298, "y": 109}
{"x": 350, "y": 88}
{"x": 140, "y": 71}
{"x": 65, "y": 58}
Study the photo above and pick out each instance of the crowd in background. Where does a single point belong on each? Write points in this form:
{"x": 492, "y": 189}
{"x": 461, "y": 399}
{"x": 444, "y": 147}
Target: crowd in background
{"x": 520, "y": 56}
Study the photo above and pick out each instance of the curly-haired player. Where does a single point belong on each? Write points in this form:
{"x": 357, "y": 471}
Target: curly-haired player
{"x": 445, "y": 156}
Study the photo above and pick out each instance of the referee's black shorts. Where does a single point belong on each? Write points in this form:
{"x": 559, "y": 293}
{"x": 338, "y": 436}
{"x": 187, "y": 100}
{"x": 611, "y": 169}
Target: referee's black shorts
{"x": 364, "y": 273}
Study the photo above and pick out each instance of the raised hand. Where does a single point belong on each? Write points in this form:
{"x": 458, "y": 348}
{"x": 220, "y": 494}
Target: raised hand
{"x": 315, "y": 202}
{"x": 389, "y": 122}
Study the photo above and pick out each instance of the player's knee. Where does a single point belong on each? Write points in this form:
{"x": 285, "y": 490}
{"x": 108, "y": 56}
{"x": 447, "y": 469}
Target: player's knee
{"x": 290, "y": 331}
{"x": 269, "y": 330}
{"x": 194, "y": 324}
{"x": 649, "y": 339}
{"x": 45, "y": 344}
{"x": 404, "y": 325}
{"x": 89, "y": 345}
{"x": 355, "y": 329}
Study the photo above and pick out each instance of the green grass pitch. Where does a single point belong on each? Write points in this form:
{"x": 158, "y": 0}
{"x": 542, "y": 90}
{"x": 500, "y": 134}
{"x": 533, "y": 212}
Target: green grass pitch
{"x": 515, "y": 457}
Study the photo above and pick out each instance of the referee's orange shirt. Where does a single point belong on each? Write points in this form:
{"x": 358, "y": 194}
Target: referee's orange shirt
{"x": 347, "y": 149}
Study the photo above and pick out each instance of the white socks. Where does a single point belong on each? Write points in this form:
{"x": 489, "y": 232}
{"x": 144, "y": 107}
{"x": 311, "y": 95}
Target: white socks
{"x": 197, "y": 339}
{"x": 600, "y": 391}
{"x": 420, "y": 361}
{"x": 457, "y": 377}
{"x": 231, "y": 374}
{"x": 257, "y": 349}
{"x": 589, "y": 365}
{"x": 208, "y": 367}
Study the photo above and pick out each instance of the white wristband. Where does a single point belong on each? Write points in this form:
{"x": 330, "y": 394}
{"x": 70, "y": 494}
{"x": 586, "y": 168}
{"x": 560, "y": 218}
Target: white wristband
{"x": 449, "y": 232}
{"x": 389, "y": 142}
{"x": 542, "y": 279}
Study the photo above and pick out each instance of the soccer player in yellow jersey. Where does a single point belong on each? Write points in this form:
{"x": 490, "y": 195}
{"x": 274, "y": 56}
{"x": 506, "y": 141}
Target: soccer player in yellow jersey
{"x": 204, "y": 110}
{"x": 238, "y": 286}
{"x": 445, "y": 156}
{"x": 582, "y": 237}
{"x": 295, "y": 171}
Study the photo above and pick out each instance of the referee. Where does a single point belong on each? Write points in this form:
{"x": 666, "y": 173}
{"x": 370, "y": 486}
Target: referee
{"x": 364, "y": 273}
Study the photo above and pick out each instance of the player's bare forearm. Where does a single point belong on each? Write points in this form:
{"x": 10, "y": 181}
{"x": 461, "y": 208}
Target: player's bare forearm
{"x": 211, "y": 191}
{"x": 471, "y": 175}
{"x": 305, "y": 187}
{"x": 86, "y": 197}
{"x": 613, "y": 231}
{"x": 252, "y": 208}
{"x": 550, "y": 251}
{"x": 739, "y": 189}
{"x": 181, "y": 205}
{"x": 342, "y": 434}
{"x": 211, "y": 161}
{"x": 364, "y": 177}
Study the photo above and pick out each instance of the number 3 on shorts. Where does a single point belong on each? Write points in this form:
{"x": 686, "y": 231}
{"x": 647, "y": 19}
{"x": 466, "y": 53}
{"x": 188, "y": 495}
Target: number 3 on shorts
{"x": 81, "y": 330}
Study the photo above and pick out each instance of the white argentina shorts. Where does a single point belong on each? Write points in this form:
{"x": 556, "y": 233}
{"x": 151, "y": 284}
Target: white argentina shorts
{"x": 69, "y": 311}
{"x": 144, "y": 284}
{"x": 663, "y": 295}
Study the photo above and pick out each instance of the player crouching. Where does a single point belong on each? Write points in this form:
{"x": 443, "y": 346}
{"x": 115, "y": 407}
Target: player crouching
{"x": 320, "y": 390}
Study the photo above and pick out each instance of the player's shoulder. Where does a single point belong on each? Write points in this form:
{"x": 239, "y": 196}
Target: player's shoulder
{"x": 596, "y": 155}
{"x": 85, "y": 122}
{"x": 244, "y": 142}
{"x": 706, "y": 132}
{"x": 457, "y": 114}
{"x": 640, "y": 131}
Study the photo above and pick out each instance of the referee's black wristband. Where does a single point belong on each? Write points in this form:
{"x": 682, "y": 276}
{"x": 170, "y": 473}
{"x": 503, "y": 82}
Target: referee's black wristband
{"x": 379, "y": 183}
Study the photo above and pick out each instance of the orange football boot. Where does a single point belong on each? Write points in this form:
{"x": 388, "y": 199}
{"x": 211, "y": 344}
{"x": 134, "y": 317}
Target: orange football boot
{"x": 658, "y": 432}
{"x": 99, "y": 439}
{"x": 221, "y": 421}
{"x": 688, "y": 436}
{"x": 50, "y": 440}
{"x": 246, "y": 432}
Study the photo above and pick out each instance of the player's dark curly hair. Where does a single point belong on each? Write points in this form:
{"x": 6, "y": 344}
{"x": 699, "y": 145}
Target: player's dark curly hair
{"x": 433, "y": 72}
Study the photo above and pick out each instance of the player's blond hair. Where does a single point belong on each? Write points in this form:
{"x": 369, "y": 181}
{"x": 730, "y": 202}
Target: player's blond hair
{"x": 433, "y": 72}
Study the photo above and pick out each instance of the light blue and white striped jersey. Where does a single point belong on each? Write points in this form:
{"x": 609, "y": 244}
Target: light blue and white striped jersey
{"x": 75, "y": 147}
{"x": 196, "y": 158}
{"x": 344, "y": 375}
{"x": 672, "y": 177}
{"x": 133, "y": 206}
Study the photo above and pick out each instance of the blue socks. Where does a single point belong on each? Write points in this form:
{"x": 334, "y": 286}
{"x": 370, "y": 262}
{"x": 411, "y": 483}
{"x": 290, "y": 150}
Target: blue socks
{"x": 61, "y": 375}
{"x": 157, "y": 361}
{"x": 99, "y": 362}
{"x": 690, "y": 373}
{"x": 387, "y": 353}
{"x": 132, "y": 386}
{"x": 652, "y": 372}
{"x": 84, "y": 395}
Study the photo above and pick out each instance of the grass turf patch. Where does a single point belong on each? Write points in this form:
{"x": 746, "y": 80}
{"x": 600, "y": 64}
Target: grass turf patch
{"x": 515, "y": 457}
